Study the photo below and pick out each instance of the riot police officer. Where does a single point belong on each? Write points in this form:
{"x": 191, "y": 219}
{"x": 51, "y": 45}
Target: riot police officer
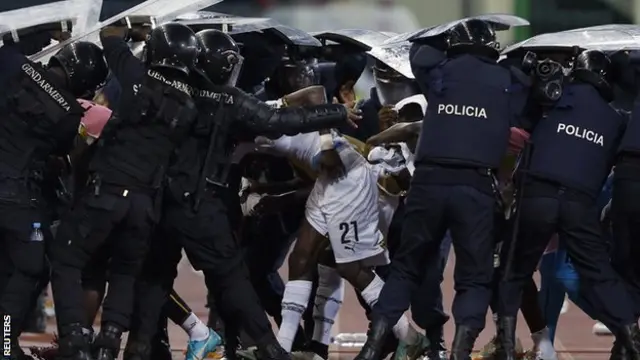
{"x": 195, "y": 211}
{"x": 41, "y": 119}
{"x": 156, "y": 112}
{"x": 574, "y": 144}
{"x": 473, "y": 102}
{"x": 623, "y": 206}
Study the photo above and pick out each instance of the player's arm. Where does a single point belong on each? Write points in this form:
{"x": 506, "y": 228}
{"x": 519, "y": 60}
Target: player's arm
{"x": 400, "y": 132}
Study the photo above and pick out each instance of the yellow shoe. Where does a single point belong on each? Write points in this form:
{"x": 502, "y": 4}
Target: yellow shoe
{"x": 216, "y": 355}
{"x": 488, "y": 350}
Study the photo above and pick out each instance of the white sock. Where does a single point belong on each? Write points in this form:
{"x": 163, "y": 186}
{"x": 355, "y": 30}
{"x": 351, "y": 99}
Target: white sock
{"x": 402, "y": 329}
{"x": 328, "y": 301}
{"x": 195, "y": 328}
{"x": 542, "y": 343}
{"x": 294, "y": 303}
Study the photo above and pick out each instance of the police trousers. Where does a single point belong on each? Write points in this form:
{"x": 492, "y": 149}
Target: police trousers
{"x": 25, "y": 272}
{"x": 125, "y": 219}
{"x": 432, "y": 209}
{"x": 211, "y": 247}
{"x": 625, "y": 217}
{"x": 544, "y": 211}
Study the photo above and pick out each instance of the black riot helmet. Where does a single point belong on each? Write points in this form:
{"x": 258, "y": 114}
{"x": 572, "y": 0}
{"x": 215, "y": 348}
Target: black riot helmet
{"x": 219, "y": 57}
{"x": 593, "y": 61}
{"x": 295, "y": 73}
{"x": 594, "y": 67}
{"x": 172, "y": 46}
{"x": 84, "y": 65}
{"x": 391, "y": 86}
{"x": 472, "y": 35}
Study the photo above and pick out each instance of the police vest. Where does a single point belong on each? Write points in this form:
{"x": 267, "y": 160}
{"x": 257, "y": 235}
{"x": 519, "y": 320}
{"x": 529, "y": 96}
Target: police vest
{"x": 137, "y": 145}
{"x": 214, "y": 129}
{"x": 41, "y": 119}
{"x": 630, "y": 142}
{"x": 468, "y": 117}
{"x": 574, "y": 144}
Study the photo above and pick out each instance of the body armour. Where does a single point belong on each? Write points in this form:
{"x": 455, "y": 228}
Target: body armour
{"x": 135, "y": 147}
{"x": 473, "y": 102}
{"x": 227, "y": 115}
{"x": 40, "y": 119}
{"x": 574, "y": 144}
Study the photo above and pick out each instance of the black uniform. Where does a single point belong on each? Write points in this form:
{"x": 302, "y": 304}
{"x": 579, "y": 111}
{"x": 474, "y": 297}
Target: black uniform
{"x": 121, "y": 205}
{"x": 574, "y": 144}
{"x": 40, "y": 118}
{"x": 473, "y": 102}
{"x": 625, "y": 209}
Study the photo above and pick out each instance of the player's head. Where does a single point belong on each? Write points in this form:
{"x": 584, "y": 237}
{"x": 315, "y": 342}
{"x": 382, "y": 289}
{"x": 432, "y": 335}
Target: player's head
{"x": 84, "y": 67}
{"x": 172, "y": 46}
{"x": 219, "y": 57}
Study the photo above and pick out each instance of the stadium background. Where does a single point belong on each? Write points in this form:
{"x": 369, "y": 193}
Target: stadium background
{"x": 575, "y": 339}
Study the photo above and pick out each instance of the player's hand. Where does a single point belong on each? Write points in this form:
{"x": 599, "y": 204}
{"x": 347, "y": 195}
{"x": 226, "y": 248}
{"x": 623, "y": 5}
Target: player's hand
{"x": 60, "y": 36}
{"x": 139, "y": 33}
{"x": 353, "y": 114}
{"x": 114, "y": 31}
{"x": 267, "y": 205}
{"x": 387, "y": 116}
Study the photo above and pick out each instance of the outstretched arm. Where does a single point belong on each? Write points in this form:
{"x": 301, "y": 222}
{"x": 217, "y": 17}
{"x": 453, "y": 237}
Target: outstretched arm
{"x": 262, "y": 119}
{"x": 400, "y": 132}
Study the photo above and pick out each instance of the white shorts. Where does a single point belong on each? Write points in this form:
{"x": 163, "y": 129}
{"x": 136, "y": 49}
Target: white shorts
{"x": 388, "y": 205}
{"x": 347, "y": 213}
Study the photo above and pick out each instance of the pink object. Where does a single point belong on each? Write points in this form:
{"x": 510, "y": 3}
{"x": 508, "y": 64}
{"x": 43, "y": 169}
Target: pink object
{"x": 516, "y": 140}
{"x": 553, "y": 245}
{"x": 95, "y": 118}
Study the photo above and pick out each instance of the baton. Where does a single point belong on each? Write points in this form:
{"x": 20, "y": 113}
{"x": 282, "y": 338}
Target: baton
{"x": 520, "y": 177}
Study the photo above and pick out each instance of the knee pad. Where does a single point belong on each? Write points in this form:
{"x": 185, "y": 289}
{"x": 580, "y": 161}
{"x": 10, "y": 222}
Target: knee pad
{"x": 94, "y": 276}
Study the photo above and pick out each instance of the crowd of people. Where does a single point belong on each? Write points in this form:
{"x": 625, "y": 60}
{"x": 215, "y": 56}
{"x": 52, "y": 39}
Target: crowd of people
{"x": 240, "y": 147}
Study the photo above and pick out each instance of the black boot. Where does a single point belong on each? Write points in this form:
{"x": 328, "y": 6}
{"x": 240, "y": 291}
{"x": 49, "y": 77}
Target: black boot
{"x": 74, "y": 344}
{"x": 506, "y": 341}
{"x": 272, "y": 351}
{"x": 376, "y": 335}
{"x": 137, "y": 350}
{"x": 618, "y": 351}
{"x": 463, "y": 342}
{"x": 107, "y": 344}
{"x": 627, "y": 338}
{"x": 160, "y": 347}
{"x": 437, "y": 348}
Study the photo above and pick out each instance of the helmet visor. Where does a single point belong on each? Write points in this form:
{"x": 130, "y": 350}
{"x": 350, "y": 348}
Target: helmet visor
{"x": 391, "y": 86}
{"x": 300, "y": 74}
{"x": 235, "y": 62}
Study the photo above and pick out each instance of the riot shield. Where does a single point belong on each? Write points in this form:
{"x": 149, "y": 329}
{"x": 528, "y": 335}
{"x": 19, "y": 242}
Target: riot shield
{"x": 500, "y": 22}
{"x": 235, "y": 25}
{"x": 154, "y": 11}
{"x": 362, "y": 39}
{"x": 80, "y": 13}
{"x": 396, "y": 56}
{"x": 602, "y": 37}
